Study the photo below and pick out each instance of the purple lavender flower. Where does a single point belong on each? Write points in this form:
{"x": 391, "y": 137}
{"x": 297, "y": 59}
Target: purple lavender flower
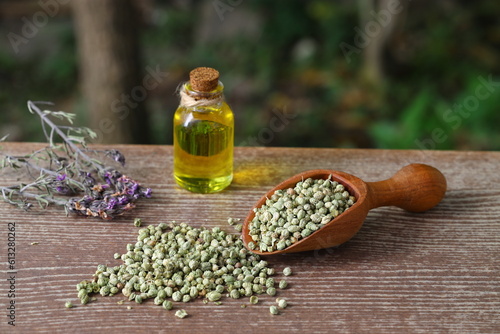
{"x": 147, "y": 193}
{"x": 110, "y": 199}
{"x": 107, "y": 178}
{"x": 111, "y": 203}
{"x": 117, "y": 156}
{"x": 88, "y": 179}
{"x": 86, "y": 200}
{"x": 111, "y": 177}
{"x": 132, "y": 188}
{"x": 59, "y": 185}
{"x": 122, "y": 200}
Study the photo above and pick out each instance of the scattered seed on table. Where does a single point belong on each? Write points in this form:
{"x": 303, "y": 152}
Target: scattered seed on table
{"x": 137, "y": 222}
{"x": 183, "y": 263}
{"x": 181, "y": 314}
{"x": 232, "y": 221}
{"x": 282, "y": 303}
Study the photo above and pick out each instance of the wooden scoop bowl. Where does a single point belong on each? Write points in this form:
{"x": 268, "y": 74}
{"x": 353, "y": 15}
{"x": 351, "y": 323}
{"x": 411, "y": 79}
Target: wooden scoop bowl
{"x": 416, "y": 188}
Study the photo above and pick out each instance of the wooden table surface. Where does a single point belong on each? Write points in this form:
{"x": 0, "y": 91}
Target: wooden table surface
{"x": 432, "y": 272}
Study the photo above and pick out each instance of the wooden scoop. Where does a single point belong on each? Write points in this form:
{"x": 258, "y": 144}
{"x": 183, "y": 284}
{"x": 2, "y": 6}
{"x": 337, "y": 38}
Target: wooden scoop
{"x": 416, "y": 188}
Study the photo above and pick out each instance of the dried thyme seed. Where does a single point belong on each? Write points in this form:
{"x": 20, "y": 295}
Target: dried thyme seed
{"x": 273, "y": 310}
{"x": 181, "y": 314}
{"x": 282, "y": 303}
{"x": 137, "y": 222}
{"x": 167, "y": 305}
{"x": 271, "y": 291}
{"x": 68, "y": 304}
{"x": 85, "y": 299}
{"x": 177, "y": 296}
{"x": 295, "y": 213}
{"x": 213, "y": 296}
{"x": 254, "y": 300}
{"x": 182, "y": 263}
{"x": 283, "y": 284}
{"x": 232, "y": 221}
{"x": 235, "y": 294}
{"x": 287, "y": 271}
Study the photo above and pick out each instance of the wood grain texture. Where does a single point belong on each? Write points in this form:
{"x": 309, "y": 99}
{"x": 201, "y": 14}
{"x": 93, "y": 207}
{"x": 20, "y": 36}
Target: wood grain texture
{"x": 436, "y": 271}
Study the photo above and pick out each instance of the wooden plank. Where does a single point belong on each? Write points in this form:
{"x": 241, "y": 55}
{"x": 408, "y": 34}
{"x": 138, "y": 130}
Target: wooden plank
{"x": 403, "y": 272}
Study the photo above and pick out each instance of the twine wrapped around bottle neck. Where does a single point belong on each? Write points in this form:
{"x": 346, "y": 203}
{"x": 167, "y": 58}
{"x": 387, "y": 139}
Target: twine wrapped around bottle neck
{"x": 189, "y": 101}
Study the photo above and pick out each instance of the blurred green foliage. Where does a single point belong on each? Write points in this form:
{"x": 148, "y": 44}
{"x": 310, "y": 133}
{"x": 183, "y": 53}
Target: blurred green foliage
{"x": 285, "y": 55}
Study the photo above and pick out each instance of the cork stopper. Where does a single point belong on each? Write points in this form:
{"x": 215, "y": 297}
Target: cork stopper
{"x": 204, "y": 79}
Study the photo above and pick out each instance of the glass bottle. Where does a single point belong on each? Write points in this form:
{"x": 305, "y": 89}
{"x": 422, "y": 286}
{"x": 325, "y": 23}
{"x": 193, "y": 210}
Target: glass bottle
{"x": 203, "y": 134}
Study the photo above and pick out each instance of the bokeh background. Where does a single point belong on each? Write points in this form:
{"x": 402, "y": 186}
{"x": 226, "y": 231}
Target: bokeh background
{"x": 418, "y": 74}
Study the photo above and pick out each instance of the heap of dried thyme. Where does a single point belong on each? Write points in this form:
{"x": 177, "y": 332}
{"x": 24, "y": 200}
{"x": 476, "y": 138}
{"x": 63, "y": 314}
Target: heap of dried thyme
{"x": 181, "y": 263}
{"x": 69, "y": 174}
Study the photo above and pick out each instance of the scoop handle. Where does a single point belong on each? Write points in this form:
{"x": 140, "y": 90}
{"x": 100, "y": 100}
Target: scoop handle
{"x": 415, "y": 187}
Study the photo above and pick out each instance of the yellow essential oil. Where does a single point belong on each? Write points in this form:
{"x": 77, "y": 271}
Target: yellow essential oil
{"x": 203, "y": 135}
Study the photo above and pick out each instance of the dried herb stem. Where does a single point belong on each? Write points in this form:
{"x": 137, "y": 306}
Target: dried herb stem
{"x": 6, "y": 191}
{"x": 68, "y": 141}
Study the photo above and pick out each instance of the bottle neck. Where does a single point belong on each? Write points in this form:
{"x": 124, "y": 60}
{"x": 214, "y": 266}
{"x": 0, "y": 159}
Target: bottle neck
{"x": 198, "y": 95}
{"x": 191, "y": 98}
